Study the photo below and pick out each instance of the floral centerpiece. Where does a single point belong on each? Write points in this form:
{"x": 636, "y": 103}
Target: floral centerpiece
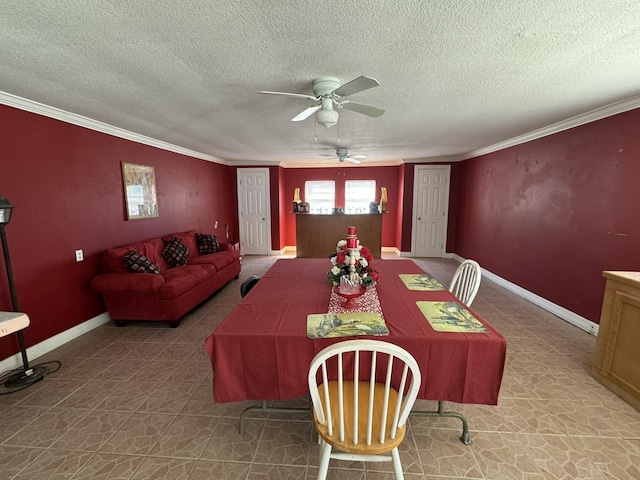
{"x": 352, "y": 260}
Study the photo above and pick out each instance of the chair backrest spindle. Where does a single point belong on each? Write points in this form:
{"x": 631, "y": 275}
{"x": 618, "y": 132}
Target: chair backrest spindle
{"x": 466, "y": 281}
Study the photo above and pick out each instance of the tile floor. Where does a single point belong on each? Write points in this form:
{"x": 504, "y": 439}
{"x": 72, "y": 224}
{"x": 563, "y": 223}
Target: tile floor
{"x": 136, "y": 403}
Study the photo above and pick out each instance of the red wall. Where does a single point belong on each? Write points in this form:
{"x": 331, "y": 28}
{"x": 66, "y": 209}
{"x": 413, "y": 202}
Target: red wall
{"x": 552, "y": 214}
{"x": 66, "y": 185}
{"x": 384, "y": 177}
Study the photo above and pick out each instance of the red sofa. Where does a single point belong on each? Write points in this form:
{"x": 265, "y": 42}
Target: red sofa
{"x": 173, "y": 292}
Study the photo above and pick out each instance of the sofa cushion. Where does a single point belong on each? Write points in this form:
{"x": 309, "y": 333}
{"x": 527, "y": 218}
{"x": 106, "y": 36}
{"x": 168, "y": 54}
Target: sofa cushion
{"x": 219, "y": 260}
{"x": 138, "y": 263}
{"x": 180, "y": 280}
{"x": 207, "y": 243}
{"x": 176, "y": 253}
{"x": 152, "y": 249}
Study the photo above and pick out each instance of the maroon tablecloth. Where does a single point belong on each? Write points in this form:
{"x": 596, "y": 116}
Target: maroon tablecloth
{"x": 261, "y": 350}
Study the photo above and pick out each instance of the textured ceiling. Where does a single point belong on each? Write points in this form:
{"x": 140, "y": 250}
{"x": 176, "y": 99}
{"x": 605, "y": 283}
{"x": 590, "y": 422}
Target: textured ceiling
{"x": 455, "y": 76}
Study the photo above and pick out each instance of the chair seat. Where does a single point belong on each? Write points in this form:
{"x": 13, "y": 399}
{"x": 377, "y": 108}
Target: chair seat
{"x": 347, "y": 445}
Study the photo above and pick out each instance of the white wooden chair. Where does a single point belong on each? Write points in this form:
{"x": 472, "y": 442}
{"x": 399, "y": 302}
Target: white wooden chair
{"x": 466, "y": 281}
{"x": 362, "y": 392}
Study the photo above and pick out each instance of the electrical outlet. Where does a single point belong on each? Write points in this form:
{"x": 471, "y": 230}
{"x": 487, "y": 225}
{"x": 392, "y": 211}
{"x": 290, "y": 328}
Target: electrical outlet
{"x": 79, "y": 256}
{"x": 215, "y": 224}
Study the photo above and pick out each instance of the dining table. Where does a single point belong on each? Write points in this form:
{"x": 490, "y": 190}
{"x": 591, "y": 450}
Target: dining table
{"x": 262, "y": 349}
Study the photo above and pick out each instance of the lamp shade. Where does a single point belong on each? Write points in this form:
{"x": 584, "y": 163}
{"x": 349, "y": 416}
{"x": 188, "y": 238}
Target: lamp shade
{"x": 5, "y": 211}
{"x": 327, "y": 118}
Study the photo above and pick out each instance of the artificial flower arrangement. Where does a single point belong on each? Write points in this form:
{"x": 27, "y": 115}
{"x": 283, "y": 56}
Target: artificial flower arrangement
{"x": 359, "y": 258}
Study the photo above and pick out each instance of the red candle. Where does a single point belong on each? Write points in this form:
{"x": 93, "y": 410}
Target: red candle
{"x": 351, "y": 230}
{"x": 351, "y": 243}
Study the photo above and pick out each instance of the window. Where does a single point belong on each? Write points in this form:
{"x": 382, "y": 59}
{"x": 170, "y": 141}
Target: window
{"x": 320, "y": 195}
{"x": 358, "y": 195}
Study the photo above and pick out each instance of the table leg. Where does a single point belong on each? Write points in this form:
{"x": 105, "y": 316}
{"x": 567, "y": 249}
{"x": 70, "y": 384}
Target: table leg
{"x": 466, "y": 439}
{"x": 264, "y": 409}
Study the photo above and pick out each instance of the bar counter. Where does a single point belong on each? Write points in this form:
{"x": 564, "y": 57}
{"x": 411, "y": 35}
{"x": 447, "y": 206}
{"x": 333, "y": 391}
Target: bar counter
{"x": 317, "y": 235}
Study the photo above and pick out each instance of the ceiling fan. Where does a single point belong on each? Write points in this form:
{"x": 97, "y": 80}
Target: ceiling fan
{"x": 343, "y": 155}
{"x": 328, "y": 93}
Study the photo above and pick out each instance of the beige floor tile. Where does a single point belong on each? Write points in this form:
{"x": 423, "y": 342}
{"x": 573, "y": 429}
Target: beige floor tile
{"x": 284, "y": 443}
{"x": 169, "y": 398}
{"x": 442, "y": 453}
{"x": 186, "y": 437}
{"x": 92, "y": 431}
{"x": 227, "y": 444}
{"x": 15, "y": 459}
{"x": 208, "y": 470}
{"x": 54, "y": 465}
{"x": 138, "y": 435}
{"x": 47, "y": 428}
{"x": 281, "y": 472}
{"x": 105, "y": 466}
{"x": 154, "y": 468}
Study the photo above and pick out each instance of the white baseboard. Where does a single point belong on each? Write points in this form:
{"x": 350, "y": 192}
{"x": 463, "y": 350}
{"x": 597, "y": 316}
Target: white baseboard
{"x": 54, "y": 342}
{"x": 561, "y": 312}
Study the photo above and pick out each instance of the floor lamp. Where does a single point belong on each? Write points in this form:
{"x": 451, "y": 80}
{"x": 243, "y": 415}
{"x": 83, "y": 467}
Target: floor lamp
{"x": 29, "y": 375}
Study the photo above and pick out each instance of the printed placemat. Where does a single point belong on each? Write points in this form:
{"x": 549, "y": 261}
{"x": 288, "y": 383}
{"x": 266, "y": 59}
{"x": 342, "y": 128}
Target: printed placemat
{"x": 331, "y": 325}
{"x": 451, "y": 317}
{"x": 421, "y": 282}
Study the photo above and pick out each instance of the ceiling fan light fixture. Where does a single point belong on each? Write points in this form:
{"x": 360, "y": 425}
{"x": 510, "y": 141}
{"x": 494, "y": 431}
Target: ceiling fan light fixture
{"x": 327, "y": 118}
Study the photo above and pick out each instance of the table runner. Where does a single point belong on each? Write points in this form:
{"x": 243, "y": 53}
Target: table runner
{"x": 368, "y": 302}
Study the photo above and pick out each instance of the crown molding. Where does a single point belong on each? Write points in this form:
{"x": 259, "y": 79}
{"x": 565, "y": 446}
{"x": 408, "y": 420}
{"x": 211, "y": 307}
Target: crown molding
{"x": 591, "y": 116}
{"x": 439, "y": 159}
{"x": 68, "y": 117}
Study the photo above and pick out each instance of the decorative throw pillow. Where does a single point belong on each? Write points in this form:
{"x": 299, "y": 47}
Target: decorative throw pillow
{"x": 138, "y": 263}
{"x": 207, "y": 243}
{"x": 176, "y": 253}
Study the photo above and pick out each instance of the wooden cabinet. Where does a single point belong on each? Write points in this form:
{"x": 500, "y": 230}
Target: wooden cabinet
{"x": 617, "y": 360}
{"x": 317, "y": 235}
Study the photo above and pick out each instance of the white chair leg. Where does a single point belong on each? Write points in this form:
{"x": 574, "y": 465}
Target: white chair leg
{"x": 397, "y": 466}
{"x": 325, "y": 456}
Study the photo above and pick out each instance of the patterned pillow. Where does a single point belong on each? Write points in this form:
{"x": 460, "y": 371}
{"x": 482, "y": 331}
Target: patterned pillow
{"x": 138, "y": 263}
{"x": 176, "y": 253}
{"x": 207, "y": 243}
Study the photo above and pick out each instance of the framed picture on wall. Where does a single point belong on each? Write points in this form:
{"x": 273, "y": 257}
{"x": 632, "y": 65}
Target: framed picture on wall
{"x": 139, "y": 191}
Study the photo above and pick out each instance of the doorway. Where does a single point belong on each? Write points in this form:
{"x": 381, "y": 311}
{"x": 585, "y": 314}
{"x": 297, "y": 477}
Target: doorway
{"x": 431, "y": 209}
{"x": 253, "y": 211}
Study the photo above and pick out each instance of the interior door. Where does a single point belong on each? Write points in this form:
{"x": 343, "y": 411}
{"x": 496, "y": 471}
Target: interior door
{"x": 431, "y": 207}
{"x": 253, "y": 209}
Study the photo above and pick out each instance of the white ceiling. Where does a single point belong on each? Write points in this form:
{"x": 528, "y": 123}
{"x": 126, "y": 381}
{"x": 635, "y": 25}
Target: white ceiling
{"x": 455, "y": 76}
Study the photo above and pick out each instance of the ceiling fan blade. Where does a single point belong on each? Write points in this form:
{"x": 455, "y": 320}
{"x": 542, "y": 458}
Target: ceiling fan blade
{"x": 355, "y": 86}
{"x": 299, "y": 95}
{"x": 358, "y": 156}
{"x": 364, "y": 109}
{"x": 353, "y": 160}
{"x": 306, "y": 113}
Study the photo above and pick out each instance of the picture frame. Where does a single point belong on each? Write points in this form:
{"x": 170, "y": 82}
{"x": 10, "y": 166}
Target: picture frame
{"x": 140, "y": 191}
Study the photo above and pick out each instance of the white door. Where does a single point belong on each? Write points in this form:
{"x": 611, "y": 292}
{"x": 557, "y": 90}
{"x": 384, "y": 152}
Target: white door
{"x": 430, "y": 210}
{"x": 253, "y": 209}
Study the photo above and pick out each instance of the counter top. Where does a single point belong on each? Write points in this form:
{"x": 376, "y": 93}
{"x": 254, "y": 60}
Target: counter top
{"x": 631, "y": 278}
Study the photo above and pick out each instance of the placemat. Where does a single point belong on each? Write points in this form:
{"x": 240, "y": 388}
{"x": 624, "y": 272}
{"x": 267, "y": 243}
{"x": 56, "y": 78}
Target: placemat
{"x": 331, "y": 325}
{"x": 421, "y": 282}
{"x": 451, "y": 317}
